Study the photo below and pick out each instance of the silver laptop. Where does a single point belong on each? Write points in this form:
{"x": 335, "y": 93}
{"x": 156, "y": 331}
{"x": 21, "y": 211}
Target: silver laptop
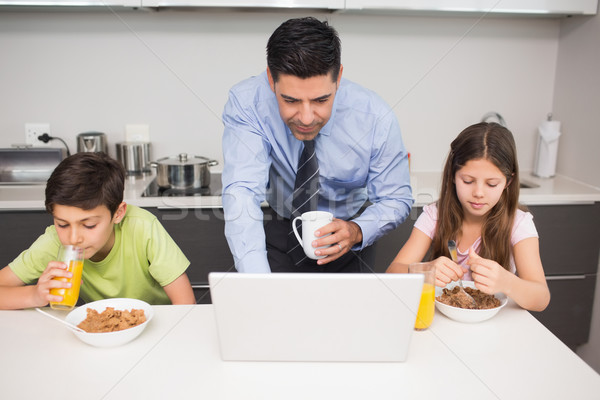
{"x": 314, "y": 316}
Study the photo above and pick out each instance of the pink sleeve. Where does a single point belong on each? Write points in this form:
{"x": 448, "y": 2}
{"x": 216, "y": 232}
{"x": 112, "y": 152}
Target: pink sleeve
{"x": 523, "y": 227}
{"x": 427, "y": 221}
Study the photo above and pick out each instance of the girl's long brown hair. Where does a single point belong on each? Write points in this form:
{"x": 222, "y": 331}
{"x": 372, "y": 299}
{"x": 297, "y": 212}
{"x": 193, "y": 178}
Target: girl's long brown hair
{"x": 495, "y": 143}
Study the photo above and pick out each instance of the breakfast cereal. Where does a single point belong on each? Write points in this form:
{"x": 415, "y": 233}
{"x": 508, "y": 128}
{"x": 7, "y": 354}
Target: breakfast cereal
{"x": 483, "y": 301}
{"x": 111, "y": 320}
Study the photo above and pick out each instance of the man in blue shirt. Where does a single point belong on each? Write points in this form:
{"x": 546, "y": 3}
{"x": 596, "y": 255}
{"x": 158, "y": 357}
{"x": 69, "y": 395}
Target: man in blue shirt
{"x": 362, "y": 163}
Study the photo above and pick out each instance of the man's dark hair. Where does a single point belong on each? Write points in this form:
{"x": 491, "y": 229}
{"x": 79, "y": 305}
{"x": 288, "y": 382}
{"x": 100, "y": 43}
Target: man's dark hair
{"x": 86, "y": 181}
{"x": 304, "y": 47}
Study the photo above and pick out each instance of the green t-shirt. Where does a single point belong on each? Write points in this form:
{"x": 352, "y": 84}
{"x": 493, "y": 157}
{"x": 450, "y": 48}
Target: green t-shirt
{"x": 143, "y": 259}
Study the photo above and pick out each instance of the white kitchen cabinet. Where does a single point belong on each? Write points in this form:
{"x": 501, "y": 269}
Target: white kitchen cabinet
{"x": 325, "y": 4}
{"x": 75, "y": 3}
{"x": 541, "y": 7}
{"x": 527, "y": 7}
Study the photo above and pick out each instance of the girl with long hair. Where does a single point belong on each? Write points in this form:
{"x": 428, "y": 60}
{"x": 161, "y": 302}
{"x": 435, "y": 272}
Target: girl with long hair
{"x": 478, "y": 208}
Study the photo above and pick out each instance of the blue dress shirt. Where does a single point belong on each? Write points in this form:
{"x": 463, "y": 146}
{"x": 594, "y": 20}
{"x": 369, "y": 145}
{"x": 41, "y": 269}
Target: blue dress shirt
{"x": 361, "y": 157}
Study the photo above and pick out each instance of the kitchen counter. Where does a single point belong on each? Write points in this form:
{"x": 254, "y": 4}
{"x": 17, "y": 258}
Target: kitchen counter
{"x": 511, "y": 356}
{"x": 551, "y": 191}
{"x": 31, "y": 197}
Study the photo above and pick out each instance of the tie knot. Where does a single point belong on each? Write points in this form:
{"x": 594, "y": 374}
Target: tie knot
{"x": 309, "y": 145}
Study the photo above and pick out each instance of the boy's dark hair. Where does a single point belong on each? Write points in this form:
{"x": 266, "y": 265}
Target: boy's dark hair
{"x": 304, "y": 47}
{"x": 86, "y": 181}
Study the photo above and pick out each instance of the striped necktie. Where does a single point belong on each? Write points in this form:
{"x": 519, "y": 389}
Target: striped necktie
{"x": 306, "y": 188}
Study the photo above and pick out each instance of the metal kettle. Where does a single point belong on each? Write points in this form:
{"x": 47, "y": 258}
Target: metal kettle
{"x": 92, "y": 142}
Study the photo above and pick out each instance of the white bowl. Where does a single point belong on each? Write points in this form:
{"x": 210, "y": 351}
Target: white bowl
{"x": 110, "y": 339}
{"x": 464, "y": 314}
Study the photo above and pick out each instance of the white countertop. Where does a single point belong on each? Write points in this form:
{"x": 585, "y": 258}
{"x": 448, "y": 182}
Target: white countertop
{"x": 557, "y": 190}
{"x": 510, "y": 357}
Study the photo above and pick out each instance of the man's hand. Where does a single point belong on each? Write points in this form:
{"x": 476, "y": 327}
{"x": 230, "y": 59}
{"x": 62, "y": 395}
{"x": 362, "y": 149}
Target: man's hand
{"x": 344, "y": 235}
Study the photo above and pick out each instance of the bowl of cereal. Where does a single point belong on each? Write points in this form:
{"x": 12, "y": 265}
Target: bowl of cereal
{"x": 110, "y": 322}
{"x": 449, "y": 304}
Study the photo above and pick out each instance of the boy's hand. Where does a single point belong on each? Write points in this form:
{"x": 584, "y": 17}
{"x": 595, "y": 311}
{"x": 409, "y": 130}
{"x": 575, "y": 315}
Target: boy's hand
{"x": 46, "y": 282}
{"x": 446, "y": 271}
{"x": 489, "y": 276}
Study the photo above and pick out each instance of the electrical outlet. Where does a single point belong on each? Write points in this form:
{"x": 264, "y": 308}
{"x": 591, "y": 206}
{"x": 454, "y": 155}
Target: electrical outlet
{"x": 137, "y": 133}
{"x": 35, "y": 130}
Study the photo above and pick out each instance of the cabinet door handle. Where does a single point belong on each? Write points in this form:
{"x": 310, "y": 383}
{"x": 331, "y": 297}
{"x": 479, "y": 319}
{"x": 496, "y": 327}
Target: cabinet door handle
{"x": 564, "y": 277}
{"x": 200, "y": 287}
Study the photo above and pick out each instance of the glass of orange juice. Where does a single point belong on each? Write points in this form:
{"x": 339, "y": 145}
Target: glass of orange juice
{"x": 427, "y": 303}
{"x": 73, "y": 257}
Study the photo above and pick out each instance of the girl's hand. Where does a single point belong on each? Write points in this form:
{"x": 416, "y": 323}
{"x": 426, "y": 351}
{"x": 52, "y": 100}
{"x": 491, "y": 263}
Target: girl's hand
{"x": 489, "y": 276}
{"x": 446, "y": 271}
{"x": 46, "y": 282}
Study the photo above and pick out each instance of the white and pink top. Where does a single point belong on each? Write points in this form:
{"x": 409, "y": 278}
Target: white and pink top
{"x": 523, "y": 228}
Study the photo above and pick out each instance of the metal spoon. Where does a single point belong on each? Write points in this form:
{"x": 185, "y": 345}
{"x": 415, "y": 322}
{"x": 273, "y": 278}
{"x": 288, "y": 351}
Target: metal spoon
{"x": 454, "y": 255}
{"x": 71, "y": 326}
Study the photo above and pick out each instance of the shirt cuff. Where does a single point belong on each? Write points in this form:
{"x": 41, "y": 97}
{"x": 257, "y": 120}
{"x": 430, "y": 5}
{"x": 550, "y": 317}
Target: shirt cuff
{"x": 368, "y": 230}
{"x": 254, "y": 262}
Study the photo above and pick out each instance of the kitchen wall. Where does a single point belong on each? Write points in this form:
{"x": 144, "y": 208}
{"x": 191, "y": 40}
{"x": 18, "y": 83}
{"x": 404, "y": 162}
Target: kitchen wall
{"x": 576, "y": 105}
{"x": 577, "y": 98}
{"x": 99, "y": 70}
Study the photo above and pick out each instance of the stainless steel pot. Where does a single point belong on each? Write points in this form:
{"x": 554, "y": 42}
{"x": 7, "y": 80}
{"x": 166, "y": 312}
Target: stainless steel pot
{"x": 135, "y": 157}
{"x": 183, "y": 171}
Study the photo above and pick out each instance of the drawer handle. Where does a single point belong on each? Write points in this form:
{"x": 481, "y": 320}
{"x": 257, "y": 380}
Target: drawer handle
{"x": 564, "y": 277}
{"x": 200, "y": 287}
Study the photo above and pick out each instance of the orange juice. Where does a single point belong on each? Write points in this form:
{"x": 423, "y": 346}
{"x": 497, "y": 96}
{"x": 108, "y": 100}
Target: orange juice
{"x": 70, "y": 295}
{"x": 426, "y": 307}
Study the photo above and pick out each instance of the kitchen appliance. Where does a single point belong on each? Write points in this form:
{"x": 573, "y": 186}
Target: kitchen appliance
{"x": 28, "y": 165}
{"x": 135, "y": 157}
{"x": 494, "y": 115}
{"x": 214, "y": 188}
{"x": 547, "y": 149}
{"x": 92, "y": 142}
{"x": 183, "y": 171}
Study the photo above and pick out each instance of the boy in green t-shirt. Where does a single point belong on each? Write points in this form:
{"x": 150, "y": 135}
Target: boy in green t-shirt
{"x": 128, "y": 253}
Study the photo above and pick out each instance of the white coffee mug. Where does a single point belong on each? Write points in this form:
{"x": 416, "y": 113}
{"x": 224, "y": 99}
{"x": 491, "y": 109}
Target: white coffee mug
{"x": 311, "y": 221}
